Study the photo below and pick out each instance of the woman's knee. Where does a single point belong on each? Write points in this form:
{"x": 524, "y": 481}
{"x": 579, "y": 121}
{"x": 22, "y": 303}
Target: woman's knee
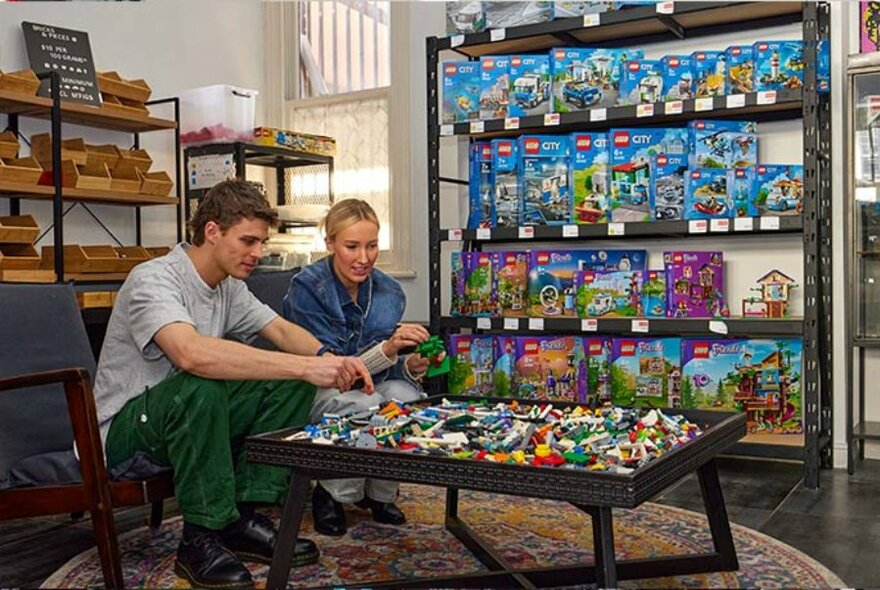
{"x": 400, "y": 390}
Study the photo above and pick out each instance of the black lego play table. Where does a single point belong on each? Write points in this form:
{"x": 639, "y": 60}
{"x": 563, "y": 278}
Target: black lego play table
{"x": 596, "y": 493}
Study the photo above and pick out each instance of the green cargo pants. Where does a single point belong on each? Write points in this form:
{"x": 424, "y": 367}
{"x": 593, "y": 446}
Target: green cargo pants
{"x": 198, "y": 427}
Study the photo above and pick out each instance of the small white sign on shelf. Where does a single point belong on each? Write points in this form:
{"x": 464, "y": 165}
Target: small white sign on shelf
{"x": 866, "y": 194}
{"x": 591, "y": 20}
{"x": 736, "y": 101}
{"x": 704, "y": 104}
{"x": 640, "y": 326}
{"x": 589, "y": 325}
{"x": 644, "y": 110}
{"x": 676, "y": 107}
{"x": 536, "y": 324}
{"x": 511, "y": 324}
{"x": 617, "y": 228}
{"x": 511, "y": 123}
{"x": 447, "y": 129}
{"x": 744, "y": 224}
{"x": 767, "y": 97}
{"x": 527, "y": 232}
{"x": 456, "y": 40}
{"x": 698, "y": 226}
{"x": 665, "y": 7}
{"x": 551, "y": 119}
{"x": 484, "y": 323}
{"x": 455, "y": 235}
{"x": 484, "y": 233}
{"x": 770, "y": 223}
{"x": 478, "y": 126}
{"x": 570, "y": 231}
{"x": 718, "y": 327}
{"x": 597, "y": 115}
{"x": 719, "y": 225}
{"x": 497, "y": 34}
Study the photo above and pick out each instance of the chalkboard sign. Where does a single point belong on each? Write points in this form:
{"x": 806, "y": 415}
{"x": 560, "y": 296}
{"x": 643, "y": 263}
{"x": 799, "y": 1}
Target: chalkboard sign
{"x": 66, "y": 52}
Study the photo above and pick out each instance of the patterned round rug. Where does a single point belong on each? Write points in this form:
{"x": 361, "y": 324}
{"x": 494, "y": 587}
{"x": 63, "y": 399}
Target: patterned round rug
{"x": 527, "y": 532}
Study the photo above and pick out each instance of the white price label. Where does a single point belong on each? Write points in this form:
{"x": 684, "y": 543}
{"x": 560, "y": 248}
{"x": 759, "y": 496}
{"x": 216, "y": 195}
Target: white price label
{"x": 589, "y": 325}
{"x": 455, "y": 235}
{"x": 616, "y": 229}
{"x": 591, "y": 20}
{"x": 743, "y": 224}
{"x": 511, "y": 324}
{"x": 736, "y": 101}
{"x": 645, "y": 110}
{"x": 598, "y": 115}
{"x": 569, "y": 231}
{"x": 536, "y": 324}
{"x": 767, "y": 97}
{"x": 698, "y": 226}
{"x": 769, "y": 223}
{"x": 719, "y": 225}
{"x": 478, "y": 126}
{"x": 718, "y": 327}
{"x": 484, "y": 233}
{"x": 484, "y": 324}
{"x": 497, "y": 34}
{"x": 551, "y": 119}
{"x": 867, "y": 194}
{"x": 511, "y": 123}
{"x": 704, "y": 104}
{"x": 447, "y": 129}
{"x": 665, "y": 7}
{"x": 456, "y": 40}
{"x": 676, "y": 107}
{"x": 527, "y": 232}
{"x": 641, "y": 326}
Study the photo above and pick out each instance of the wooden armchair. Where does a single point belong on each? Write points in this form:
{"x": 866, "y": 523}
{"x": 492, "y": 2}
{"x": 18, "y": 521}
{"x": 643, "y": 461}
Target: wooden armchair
{"x": 47, "y": 405}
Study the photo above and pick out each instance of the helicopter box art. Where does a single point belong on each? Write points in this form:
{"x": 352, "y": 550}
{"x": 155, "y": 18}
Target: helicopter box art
{"x": 705, "y": 194}
{"x": 461, "y": 91}
{"x": 779, "y": 65}
{"x": 695, "y": 285}
{"x": 551, "y": 275}
{"x": 722, "y": 144}
{"x": 646, "y": 372}
{"x": 608, "y": 294}
{"x": 759, "y": 377}
{"x": 779, "y": 189}
{"x": 740, "y": 63}
{"x": 641, "y": 82}
{"x": 678, "y": 77}
{"x": 654, "y": 293}
{"x": 471, "y": 275}
{"x": 588, "y": 153}
{"x": 740, "y": 191}
{"x": 578, "y": 81}
{"x": 480, "y": 186}
{"x": 668, "y": 173}
{"x": 529, "y": 85}
{"x": 505, "y": 182}
{"x": 510, "y": 286}
{"x": 545, "y": 198}
{"x": 551, "y": 367}
{"x": 709, "y": 73}
{"x": 494, "y": 86}
{"x": 472, "y": 364}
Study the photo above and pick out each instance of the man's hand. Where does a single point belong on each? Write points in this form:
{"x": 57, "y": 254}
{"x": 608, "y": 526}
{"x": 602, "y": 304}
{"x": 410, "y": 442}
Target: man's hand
{"x": 340, "y": 372}
{"x": 418, "y": 365}
{"x": 405, "y": 336}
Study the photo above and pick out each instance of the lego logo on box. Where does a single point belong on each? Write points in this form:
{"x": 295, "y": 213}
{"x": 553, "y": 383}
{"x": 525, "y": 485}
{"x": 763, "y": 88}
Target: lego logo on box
{"x": 505, "y": 148}
{"x": 701, "y": 350}
{"x": 762, "y": 47}
{"x": 488, "y": 64}
{"x": 701, "y": 124}
{"x": 633, "y": 66}
{"x": 700, "y": 56}
{"x": 677, "y": 258}
{"x": 486, "y": 152}
{"x": 484, "y": 259}
{"x": 661, "y": 160}
{"x": 695, "y": 174}
{"x": 510, "y": 259}
{"x": 588, "y": 277}
{"x": 673, "y": 62}
{"x": 533, "y": 146}
{"x": 463, "y": 346}
{"x": 516, "y": 61}
{"x": 583, "y": 143}
{"x": 560, "y": 54}
{"x": 736, "y": 51}
{"x": 621, "y": 139}
{"x": 627, "y": 348}
{"x": 531, "y": 347}
{"x": 450, "y": 69}
{"x": 595, "y": 348}
{"x": 740, "y": 173}
{"x": 762, "y": 170}
{"x": 543, "y": 258}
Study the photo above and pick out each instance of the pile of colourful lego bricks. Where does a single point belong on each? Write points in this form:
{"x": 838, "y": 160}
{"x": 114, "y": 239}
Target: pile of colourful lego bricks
{"x": 610, "y": 438}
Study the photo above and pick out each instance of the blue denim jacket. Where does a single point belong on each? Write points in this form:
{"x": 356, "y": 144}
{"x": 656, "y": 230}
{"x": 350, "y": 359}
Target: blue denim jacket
{"x": 318, "y": 301}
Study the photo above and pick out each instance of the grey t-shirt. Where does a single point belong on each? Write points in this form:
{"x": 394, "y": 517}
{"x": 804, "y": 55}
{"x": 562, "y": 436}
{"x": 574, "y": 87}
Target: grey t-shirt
{"x": 158, "y": 293}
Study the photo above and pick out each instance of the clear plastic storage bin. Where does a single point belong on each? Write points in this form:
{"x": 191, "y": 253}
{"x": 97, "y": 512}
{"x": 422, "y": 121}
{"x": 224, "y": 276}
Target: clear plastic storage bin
{"x": 217, "y": 114}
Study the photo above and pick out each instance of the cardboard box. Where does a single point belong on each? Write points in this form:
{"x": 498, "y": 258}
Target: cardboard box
{"x": 695, "y": 285}
{"x": 608, "y": 294}
{"x": 544, "y": 191}
{"x": 705, "y": 194}
{"x": 588, "y": 157}
{"x": 494, "y": 86}
{"x": 461, "y": 91}
{"x": 646, "y": 372}
{"x": 472, "y": 364}
{"x": 550, "y": 368}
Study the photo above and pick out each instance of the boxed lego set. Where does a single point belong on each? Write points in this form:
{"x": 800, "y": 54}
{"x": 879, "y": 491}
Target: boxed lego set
{"x": 510, "y": 282}
{"x": 705, "y": 194}
{"x": 678, "y": 77}
{"x": 589, "y": 177}
{"x": 641, "y": 82}
{"x": 481, "y": 186}
{"x": 695, "y": 285}
{"x": 551, "y": 367}
{"x": 544, "y": 191}
{"x": 668, "y": 173}
{"x": 578, "y": 80}
{"x": 779, "y": 65}
{"x": 529, "y": 85}
{"x": 709, "y": 73}
{"x": 461, "y": 91}
{"x": 740, "y": 69}
{"x": 779, "y": 189}
{"x": 505, "y": 179}
{"x": 471, "y": 275}
{"x": 614, "y": 294}
{"x": 494, "y": 86}
{"x": 646, "y": 372}
{"x": 472, "y": 364}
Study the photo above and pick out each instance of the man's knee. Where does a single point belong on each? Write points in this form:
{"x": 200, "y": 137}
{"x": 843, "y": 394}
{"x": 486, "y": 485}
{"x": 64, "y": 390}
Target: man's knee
{"x": 197, "y": 393}
{"x": 400, "y": 390}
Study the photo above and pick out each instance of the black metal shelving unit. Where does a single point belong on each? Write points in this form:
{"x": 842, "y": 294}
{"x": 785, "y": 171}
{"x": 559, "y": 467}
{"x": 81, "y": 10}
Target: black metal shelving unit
{"x": 630, "y": 27}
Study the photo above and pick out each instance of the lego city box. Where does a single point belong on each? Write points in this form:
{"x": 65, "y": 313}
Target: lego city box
{"x": 668, "y": 173}
{"x": 759, "y": 377}
{"x": 551, "y": 275}
{"x": 465, "y": 17}
{"x": 472, "y": 365}
{"x": 616, "y": 294}
{"x": 597, "y": 354}
{"x": 578, "y": 80}
{"x": 461, "y": 91}
{"x": 779, "y": 189}
{"x": 588, "y": 167}
{"x": 505, "y": 183}
{"x": 654, "y": 293}
{"x": 607, "y": 67}
{"x": 740, "y": 62}
{"x": 779, "y": 65}
{"x": 529, "y": 85}
{"x": 510, "y": 282}
{"x": 709, "y": 69}
{"x": 740, "y": 190}
{"x": 722, "y": 144}
{"x": 545, "y": 198}
{"x": 641, "y": 82}
{"x": 501, "y": 15}
{"x": 678, "y": 77}
{"x": 481, "y": 186}
{"x": 646, "y": 372}
{"x": 695, "y": 285}
{"x": 569, "y": 8}
{"x": 471, "y": 276}
{"x": 551, "y": 368}
{"x": 705, "y": 194}
{"x": 494, "y": 86}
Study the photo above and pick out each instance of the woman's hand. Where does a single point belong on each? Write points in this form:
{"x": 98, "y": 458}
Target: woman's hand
{"x": 405, "y": 336}
{"x": 418, "y": 365}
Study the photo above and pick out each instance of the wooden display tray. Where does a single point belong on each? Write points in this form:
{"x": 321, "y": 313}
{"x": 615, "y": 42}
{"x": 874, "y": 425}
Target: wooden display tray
{"x": 71, "y": 149}
{"x": 155, "y": 183}
{"x": 27, "y": 276}
{"x": 131, "y": 160}
{"x": 20, "y": 170}
{"x": 86, "y": 177}
{"x": 114, "y": 84}
{"x": 22, "y": 82}
{"x": 122, "y": 105}
{"x": 83, "y": 259}
{"x": 95, "y": 299}
{"x": 106, "y": 153}
{"x": 157, "y": 251}
{"x": 125, "y": 181}
{"x": 18, "y": 229}
{"x": 130, "y": 256}
{"x": 18, "y": 257}
{"x": 8, "y": 144}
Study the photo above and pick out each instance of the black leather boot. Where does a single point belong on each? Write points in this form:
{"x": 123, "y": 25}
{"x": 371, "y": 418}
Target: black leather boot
{"x": 204, "y": 562}
{"x": 328, "y": 513}
{"x": 253, "y": 539}
{"x": 384, "y": 512}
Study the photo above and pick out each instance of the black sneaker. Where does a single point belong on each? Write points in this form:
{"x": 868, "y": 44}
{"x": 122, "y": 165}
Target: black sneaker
{"x": 328, "y": 514}
{"x": 204, "y": 562}
{"x": 254, "y": 538}
{"x": 384, "y": 512}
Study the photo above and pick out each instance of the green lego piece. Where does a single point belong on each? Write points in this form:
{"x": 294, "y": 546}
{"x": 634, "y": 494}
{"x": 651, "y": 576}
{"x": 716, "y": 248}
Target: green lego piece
{"x": 431, "y": 348}
{"x": 579, "y": 458}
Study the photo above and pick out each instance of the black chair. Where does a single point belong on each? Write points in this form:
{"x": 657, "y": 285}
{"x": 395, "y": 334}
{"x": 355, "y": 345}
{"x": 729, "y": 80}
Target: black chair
{"x": 270, "y": 287}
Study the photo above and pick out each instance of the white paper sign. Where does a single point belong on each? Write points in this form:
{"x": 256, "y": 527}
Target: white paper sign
{"x": 698, "y": 226}
{"x": 497, "y": 34}
{"x": 447, "y": 129}
{"x": 536, "y": 324}
{"x": 769, "y": 223}
{"x": 484, "y": 324}
{"x": 589, "y": 325}
{"x": 456, "y": 40}
{"x": 598, "y": 115}
{"x": 718, "y": 327}
{"x": 665, "y": 7}
{"x": 767, "y": 97}
{"x": 719, "y": 225}
{"x": 641, "y": 326}
{"x": 591, "y": 20}
{"x": 527, "y": 232}
{"x": 645, "y": 110}
{"x": 616, "y": 229}
{"x": 736, "y": 101}
{"x": 673, "y": 108}
{"x": 743, "y": 224}
{"x": 511, "y": 324}
{"x": 704, "y": 104}
{"x": 477, "y": 126}
{"x": 551, "y": 119}
{"x": 484, "y": 233}
{"x": 866, "y": 194}
{"x": 511, "y": 123}
{"x": 569, "y": 231}
{"x": 455, "y": 235}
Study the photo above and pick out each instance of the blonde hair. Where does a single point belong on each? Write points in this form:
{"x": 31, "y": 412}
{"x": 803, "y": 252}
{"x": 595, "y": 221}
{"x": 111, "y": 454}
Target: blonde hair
{"x": 346, "y": 213}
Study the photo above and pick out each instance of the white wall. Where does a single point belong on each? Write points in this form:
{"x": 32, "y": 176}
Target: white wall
{"x": 174, "y": 45}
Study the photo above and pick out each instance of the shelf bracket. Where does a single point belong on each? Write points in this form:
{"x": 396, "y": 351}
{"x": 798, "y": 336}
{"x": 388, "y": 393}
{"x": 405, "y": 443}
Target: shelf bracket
{"x": 453, "y": 181}
{"x": 673, "y": 25}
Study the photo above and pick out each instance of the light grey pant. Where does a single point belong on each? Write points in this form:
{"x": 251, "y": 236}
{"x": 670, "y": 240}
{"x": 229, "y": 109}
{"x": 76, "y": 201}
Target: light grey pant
{"x": 331, "y": 401}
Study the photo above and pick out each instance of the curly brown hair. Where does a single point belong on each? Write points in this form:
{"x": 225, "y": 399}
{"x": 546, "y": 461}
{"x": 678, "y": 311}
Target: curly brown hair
{"x": 227, "y": 203}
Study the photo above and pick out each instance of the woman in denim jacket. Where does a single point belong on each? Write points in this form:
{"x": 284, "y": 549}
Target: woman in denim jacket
{"x": 355, "y": 309}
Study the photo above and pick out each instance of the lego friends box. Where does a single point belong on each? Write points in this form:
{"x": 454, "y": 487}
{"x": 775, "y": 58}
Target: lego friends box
{"x": 695, "y": 285}
{"x": 645, "y": 372}
{"x": 551, "y": 368}
{"x": 759, "y": 377}
{"x": 472, "y": 364}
